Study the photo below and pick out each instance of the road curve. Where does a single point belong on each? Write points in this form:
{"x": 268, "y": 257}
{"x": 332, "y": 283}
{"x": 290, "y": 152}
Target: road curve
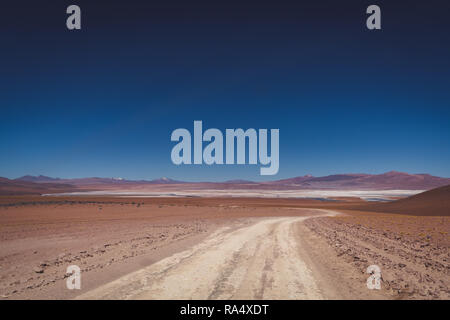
{"x": 259, "y": 261}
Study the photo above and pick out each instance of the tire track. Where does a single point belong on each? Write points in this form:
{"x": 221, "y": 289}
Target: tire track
{"x": 257, "y": 261}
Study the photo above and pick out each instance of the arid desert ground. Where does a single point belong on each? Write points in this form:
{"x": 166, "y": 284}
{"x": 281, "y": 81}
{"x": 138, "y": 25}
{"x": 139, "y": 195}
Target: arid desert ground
{"x": 222, "y": 248}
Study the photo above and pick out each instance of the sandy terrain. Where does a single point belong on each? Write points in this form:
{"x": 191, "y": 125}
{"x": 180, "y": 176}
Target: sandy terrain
{"x": 38, "y": 243}
{"x": 216, "y": 248}
{"x": 107, "y": 238}
{"x": 412, "y": 252}
{"x": 259, "y": 261}
{"x": 434, "y": 202}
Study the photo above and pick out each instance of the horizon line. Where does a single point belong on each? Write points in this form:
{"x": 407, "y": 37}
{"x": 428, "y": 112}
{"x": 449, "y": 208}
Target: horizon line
{"x": 118, "y": 178}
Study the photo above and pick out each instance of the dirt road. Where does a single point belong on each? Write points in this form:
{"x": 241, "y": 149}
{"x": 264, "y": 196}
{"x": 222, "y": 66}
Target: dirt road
{"x": 217, "y": 248}
{"x": 258, "y": 261}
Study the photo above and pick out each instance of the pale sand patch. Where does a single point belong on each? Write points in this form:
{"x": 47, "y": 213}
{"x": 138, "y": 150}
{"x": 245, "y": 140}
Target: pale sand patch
{"x": 259, "y": 261}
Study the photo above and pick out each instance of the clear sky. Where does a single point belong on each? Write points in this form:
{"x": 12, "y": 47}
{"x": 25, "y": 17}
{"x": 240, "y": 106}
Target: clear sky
{"x": 104, "y": 100}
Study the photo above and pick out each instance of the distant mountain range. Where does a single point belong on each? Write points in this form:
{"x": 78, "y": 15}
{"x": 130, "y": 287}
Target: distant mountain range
{"x": 386, "y": 181}
{"x": 41, "y": 178}
{"x": 94, "y": 181}
{"x": 17, "y": 187}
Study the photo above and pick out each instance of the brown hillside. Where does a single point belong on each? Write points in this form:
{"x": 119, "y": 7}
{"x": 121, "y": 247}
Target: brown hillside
{"x": 435, "y": 202}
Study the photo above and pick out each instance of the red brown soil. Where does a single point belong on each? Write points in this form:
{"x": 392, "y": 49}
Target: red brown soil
{"x": 17, "y": 201}
{"x": 412, "y": 251}
{"x": 109, "y": 237}
{"x": 434, "y": 202}
{"x": 106, "y": 237}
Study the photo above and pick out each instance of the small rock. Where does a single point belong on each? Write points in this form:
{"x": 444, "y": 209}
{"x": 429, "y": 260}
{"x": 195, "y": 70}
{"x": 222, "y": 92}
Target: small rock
{"x": 38, "y": 270}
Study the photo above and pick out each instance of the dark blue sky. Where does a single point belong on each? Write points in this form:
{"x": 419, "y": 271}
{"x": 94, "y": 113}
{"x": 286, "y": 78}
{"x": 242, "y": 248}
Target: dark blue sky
{"x": 103, "y": 101}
